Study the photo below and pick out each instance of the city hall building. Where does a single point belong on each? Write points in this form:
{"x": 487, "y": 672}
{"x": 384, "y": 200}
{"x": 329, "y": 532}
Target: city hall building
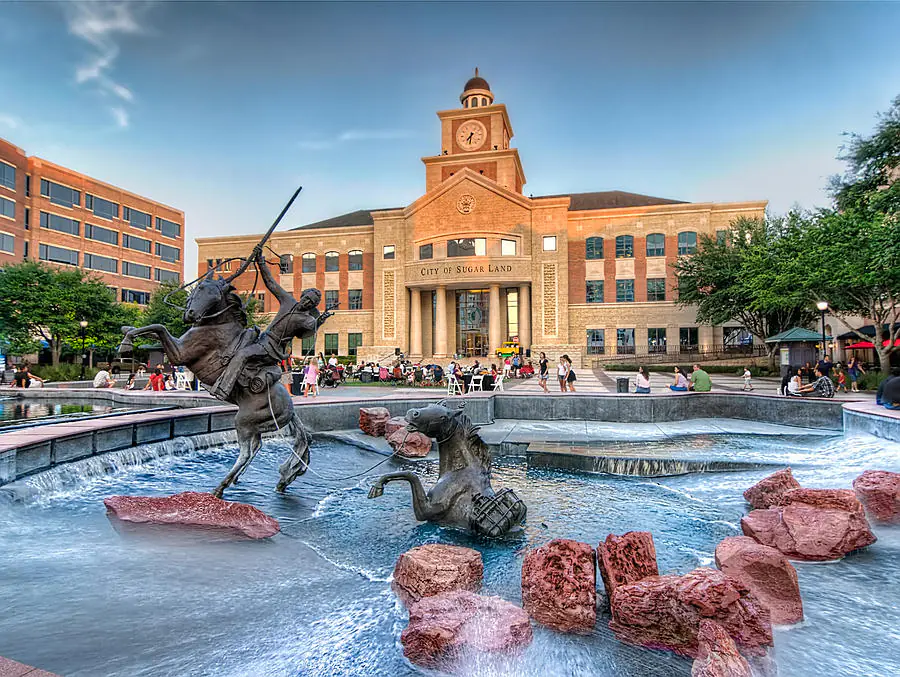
{"x": 475, "y": 262}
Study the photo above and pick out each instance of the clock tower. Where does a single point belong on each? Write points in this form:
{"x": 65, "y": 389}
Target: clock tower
{"x": 476, "y": 136}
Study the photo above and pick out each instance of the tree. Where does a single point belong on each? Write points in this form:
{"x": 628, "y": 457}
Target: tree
{"x": 44, "y": 302}
{"x": 742, "y": 278}
{"x": 159, "y": 311}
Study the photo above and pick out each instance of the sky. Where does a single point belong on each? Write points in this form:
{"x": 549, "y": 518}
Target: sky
{"x": 222, "y": 110}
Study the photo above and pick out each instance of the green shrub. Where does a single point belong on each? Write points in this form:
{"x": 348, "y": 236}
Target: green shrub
{"x": 869, "y": 381}
{"x": 64, "y": 372}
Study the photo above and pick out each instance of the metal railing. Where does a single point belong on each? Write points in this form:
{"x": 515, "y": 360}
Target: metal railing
{"x": 655, "y": 355}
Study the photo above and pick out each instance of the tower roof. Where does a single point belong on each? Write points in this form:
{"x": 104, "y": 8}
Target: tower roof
{"x": 476, "y": 82}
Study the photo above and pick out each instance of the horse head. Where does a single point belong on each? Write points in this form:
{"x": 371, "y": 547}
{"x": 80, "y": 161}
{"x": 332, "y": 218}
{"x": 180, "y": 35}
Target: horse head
{"x": 212, "y": 297}
{"x": 434, "y": 420}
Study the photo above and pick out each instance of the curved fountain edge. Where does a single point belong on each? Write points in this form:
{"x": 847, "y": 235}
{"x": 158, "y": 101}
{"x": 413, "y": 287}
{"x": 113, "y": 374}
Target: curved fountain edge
{"x": 28, "y": 451}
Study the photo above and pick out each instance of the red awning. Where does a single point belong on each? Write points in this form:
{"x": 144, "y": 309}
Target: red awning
{"x": 869, "y": 344}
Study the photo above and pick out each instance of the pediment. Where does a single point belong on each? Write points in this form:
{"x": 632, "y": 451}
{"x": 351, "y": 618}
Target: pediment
{"x": 478, "y": 183}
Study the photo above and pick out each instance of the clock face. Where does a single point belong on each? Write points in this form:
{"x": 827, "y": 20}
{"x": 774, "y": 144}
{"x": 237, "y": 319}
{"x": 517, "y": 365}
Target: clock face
{"x": 471, "y": 135}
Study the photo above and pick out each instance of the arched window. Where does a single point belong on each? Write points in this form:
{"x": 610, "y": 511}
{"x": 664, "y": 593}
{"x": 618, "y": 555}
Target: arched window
{"x": 484, "y": 101}
{"x": 331, "y": 262}
{"x": 687, "y": 243}
{"x": 309, "y": 263}
{"x": 474, "y": 102}
{"x": 625, "y": 247}
{"x": 355, "y": 257}
{"x": 593, "y": 248}
{"x": 466, "y": 103}
{"x": 656, "y": 244}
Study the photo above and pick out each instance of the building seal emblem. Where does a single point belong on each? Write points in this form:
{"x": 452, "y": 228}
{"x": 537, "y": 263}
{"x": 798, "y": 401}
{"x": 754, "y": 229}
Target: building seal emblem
{"x": 465, "y": 204}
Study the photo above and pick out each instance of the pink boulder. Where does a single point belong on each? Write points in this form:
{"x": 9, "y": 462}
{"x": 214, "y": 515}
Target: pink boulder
{"x": 815, "y": 525}
{"x": 10, "y": 668}
{"x": 717, "y": 654}
{"x": 393, "y": 424}
{"x": 766, "y": 573}
{"x": 409, "y": 444}
{"x": 372, "y": 420}
{"x": 767, "y": 492}
{"x": 194, "y": 509}
{"x": 664, "y": 612}
{"x": 444, "y": 627}
{"x": 879, "y": 492}
{"x": 559, "y": 582}
{"x": 626, "y": 559}
{"x": 432, "y": 569}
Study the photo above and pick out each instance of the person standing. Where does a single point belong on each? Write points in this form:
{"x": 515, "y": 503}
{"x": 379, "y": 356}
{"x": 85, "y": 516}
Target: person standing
{"x": 825, "y": 365}
{"x": 748, "y": 385}
{"x": 642, "y": 382}
{"x": 311, "y": 378}
{"x": 544, "y": 372}
{"x": 854, "y": 368}
{"x": 570, "y": 374}
{"x": 700, "y": 381}
{"x": 562, "y": 372}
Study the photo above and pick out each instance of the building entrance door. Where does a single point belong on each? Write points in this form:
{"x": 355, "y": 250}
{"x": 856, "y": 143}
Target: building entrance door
{"x": 472, "y": 323}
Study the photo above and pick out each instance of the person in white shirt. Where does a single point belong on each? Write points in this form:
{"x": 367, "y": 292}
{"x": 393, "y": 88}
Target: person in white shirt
{"x": 747, "y": 376}
{"x": 332, "y": 361}
{"x": 103, "y": 380}
{"x": 641, "y": 381}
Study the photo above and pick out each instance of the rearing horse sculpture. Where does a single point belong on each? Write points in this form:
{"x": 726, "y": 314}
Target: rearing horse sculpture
{"x": 239, "y": 364}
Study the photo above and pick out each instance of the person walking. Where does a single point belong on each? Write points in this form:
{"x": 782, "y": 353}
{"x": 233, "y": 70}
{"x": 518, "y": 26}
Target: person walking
{"x": 570, "y": 374}
{"x": 748, "y": 385}
{"x": 311, "y": 378}
{"x": 544, "y": 372}
{"x": 681, "y": 383}
{"x": 841, "y": 380}
{"x": 562, "y": 372}
{"x": 854, "y": 368}
{"x": 642, "y": 381}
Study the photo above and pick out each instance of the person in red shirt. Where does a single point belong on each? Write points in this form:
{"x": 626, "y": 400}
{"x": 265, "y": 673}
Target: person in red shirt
{"x": 156, "y": 381}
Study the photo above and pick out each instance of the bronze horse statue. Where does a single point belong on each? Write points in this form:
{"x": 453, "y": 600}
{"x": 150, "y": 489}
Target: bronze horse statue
{"x": 239, "y": 364}
{"x": 462, "y": 497}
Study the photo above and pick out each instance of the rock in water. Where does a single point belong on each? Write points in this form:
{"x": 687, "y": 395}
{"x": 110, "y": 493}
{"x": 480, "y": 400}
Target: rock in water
{"x": 409, "y": 444}
{"x": 717, "y": 655}
{"x": 626, "y": 559}
{"x": 432, "y": 569}
{"x": 664, "y": 612}
{"x": 393, "y": 424}
{"x": 559, "y": 584}
{"x": 195, "y": 509}
{"x": 766, "y": 572}
{"x": 452, "y": 623}
{"x": 879, "y": 492}
{"x": 372, "y": 420}
{"x": 767, "y": 492}
{"x": 814, "y": 525}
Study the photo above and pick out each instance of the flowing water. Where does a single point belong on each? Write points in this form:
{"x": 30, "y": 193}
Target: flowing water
{"x": 86, "y": 597}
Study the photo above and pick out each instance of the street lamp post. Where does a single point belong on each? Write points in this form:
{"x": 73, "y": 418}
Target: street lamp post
{"x": 83, "y": 325}
{"x": 823, "y": 306}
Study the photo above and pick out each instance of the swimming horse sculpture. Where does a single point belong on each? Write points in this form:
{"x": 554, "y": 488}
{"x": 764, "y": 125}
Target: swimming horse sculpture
{"x": 462, "y": 497}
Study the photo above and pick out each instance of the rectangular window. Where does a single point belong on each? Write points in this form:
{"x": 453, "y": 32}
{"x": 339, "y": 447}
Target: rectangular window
{"x": 7, "y": 208}
{"x": 25, "y": 252}
{"x": 167, "y": 253}
{"x": 102, "y": 208}
{"x": 736, "y": 338}
{"x": 467, "y": 246}
{"x": 331, "y": 299}
{"x": 286, "y": 264}
{"x": 426, "y": 251}
{"x": 388, "y": 251}
{"x": 549, "y": 243}
{"x": 209, "y": 264}
{"x": 47, "y": 252}
{"x": 138, "y": 244}
{"x": 594, "y": 291}
{"x": 625, "y": 341}
{"x": 354, "y": 259}
{"x": 687, "y": 243}
{"x": 135, "y": 270}
{"x": 688, "y": 338}
{"x": 656, "y": 244}
{"x": 593, "y": 248}
{"x": 596, "y": 341}
{"x": 167, "y": 276}
{"x": 167, "y": 228}
{"x": 136, "y": 218}
{"x": 59, "y": 194}
{"x": 60, "y": 223}
{"x": 132, "y": 296}
{"x": 624, "y": 291}
{"x": 720, "y": 236}
{"x": 355, "y": 299}
{"x": 27, "y": 218}
{"x": 656, "y": 340}
{"x": 354, "y": 341}
{"x": 512, "y": 314}
{"x": 27, "y": 184}
{"x": 507, "y": 247}
{"x": 7, "y": 176}
{"x": 332, "y": 262}
{"x": 104, "y": 263}
{"x": 308, "y": 263}
{"x": 308, "y": 346}
{"x": 625, "y": 247}
{"x": 8, "y": 243}
{"x": 331, "y": 344}
{"x": 656, "y": 289}
{"x": 92, "y": 232}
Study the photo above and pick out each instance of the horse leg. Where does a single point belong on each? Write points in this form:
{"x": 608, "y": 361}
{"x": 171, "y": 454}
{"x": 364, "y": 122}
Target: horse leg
{"x": 422, "y": 505}
{"x": 297, "y": 463}
{"x": 249, "y": 442}
{"x": 172, "y": 346}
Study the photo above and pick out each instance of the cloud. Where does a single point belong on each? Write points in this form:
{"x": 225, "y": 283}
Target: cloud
{"x": 9, "y": 121}
{"x": 101, "y": 25}
{"x": 355, "y": 135}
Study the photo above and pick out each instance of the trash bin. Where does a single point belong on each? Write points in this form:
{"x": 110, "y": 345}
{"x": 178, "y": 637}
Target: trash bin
{"x": 365, "y": 377}
{"x": 296, "y": 383}
{"x": 622, "y": 384}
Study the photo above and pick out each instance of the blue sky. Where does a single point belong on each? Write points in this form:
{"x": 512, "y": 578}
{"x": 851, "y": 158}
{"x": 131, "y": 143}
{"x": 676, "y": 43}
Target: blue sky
{"x": 223, "y": 109}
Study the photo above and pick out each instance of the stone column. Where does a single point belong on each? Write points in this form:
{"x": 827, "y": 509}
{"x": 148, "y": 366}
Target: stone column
{"x": 415, "y": 322}
{"x": 440, "y": 322}
{"x": 494, "y": 319}
{"x": 525, "y": 316}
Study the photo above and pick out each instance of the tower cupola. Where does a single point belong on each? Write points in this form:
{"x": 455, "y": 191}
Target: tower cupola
{"x": 476, "y": 93}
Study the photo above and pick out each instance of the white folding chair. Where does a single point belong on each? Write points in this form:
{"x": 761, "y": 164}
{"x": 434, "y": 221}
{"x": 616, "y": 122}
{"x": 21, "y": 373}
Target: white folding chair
{"x": 498, "y": 384}
{"x": 181, "y": 381}
{"x": 454, "y": 387}
{"x": 477, "y": 384}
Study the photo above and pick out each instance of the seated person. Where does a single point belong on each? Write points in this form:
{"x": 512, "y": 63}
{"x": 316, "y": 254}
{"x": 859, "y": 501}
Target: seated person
{"x": 821, "y": 387}
{"x": 103, "y": 380}
{"x": 642, "y": 382}
{"x": 700, "y": 381}
{"x": 681, "y": 382}
{"x": 130, "y": 385}
{"x": 795, "y": 382}
{"x": 889, "y": 391}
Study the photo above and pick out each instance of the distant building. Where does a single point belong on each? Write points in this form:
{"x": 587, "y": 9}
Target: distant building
{"x": 475, "y": 261}
{"x": 54, "y": 214}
